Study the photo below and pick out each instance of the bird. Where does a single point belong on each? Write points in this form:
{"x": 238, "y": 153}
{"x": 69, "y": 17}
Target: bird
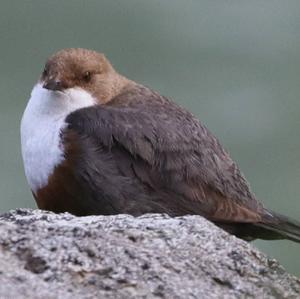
{"x": 97, "y": 143}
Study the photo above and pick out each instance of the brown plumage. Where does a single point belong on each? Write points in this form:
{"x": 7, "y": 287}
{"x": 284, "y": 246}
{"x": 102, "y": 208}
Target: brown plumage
{"x": 138, "y": 152}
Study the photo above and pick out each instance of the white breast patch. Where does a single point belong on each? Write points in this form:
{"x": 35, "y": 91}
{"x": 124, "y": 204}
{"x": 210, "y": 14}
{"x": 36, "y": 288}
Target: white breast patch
{"x": 41, "y": 125}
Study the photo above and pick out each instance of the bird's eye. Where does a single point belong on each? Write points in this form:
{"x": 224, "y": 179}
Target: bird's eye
{"x": 87, "y": 76}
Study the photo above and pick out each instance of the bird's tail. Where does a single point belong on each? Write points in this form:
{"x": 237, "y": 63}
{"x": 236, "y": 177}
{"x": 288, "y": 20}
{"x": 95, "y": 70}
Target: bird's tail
{"x": 276, "y": 226}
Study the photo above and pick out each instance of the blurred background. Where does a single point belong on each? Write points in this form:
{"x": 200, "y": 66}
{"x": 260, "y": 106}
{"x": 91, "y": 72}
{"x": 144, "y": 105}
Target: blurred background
{"x": 234, "y": 64}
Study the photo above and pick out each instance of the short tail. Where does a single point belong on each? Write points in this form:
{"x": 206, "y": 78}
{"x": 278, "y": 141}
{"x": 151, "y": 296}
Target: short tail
{"x": 276, "y": 226}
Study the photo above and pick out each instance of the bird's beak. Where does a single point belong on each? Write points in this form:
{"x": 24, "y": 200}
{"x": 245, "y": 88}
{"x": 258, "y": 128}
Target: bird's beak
{"x": 53, "y": 84}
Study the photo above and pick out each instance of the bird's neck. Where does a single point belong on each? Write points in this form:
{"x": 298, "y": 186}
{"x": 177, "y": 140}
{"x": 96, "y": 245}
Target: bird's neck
{"x": 113, "y": 86}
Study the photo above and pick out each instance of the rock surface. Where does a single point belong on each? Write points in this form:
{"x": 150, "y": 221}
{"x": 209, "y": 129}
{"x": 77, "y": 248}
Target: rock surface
{"x": 44, "y": 255}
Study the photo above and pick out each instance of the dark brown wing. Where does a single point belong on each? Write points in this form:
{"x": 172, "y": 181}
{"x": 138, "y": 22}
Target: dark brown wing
{"x": 170, "y": 157}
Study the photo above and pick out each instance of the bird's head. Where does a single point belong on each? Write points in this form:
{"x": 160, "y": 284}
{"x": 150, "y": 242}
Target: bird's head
{"x": 83, "y": 69}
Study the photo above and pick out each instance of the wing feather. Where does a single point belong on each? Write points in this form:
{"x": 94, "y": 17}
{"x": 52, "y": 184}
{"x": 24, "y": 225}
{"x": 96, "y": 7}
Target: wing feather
{"x": 170, "y": 153}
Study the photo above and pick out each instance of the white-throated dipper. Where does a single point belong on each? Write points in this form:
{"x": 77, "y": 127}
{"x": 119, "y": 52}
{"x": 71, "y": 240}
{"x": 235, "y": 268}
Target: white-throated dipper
{"x": 95, "y": 142}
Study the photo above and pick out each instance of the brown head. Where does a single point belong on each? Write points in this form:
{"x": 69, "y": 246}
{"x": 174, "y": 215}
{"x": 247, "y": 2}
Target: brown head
{"x": 82, "y": 68}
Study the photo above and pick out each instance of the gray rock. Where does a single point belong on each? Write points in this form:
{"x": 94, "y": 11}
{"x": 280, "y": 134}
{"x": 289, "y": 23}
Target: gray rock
{"x": 44, "y": 255}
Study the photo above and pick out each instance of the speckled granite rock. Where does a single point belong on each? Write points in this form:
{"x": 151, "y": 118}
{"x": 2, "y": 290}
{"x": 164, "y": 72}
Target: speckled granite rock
{"x": 44, "y": 255}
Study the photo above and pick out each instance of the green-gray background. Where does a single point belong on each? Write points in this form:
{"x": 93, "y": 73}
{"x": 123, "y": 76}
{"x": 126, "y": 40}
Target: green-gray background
{"x": 235, "y": 64}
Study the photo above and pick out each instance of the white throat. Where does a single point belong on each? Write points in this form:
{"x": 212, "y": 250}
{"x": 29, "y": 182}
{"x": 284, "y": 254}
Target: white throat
{"x": 41, "y": 125}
